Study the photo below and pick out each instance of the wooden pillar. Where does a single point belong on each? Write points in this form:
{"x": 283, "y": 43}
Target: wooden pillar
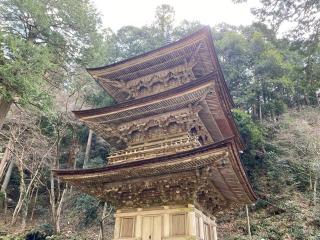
{"x": 192, "y": 221}
{"x": 166, "y": 223}
{"x": 138, "y": 225}
{"x": 201, "y": 228}
{"x": 214, "y": 231}
{"x": 116, "y": 232}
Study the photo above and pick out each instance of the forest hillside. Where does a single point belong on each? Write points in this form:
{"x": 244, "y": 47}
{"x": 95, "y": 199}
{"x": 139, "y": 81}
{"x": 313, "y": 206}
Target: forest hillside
{"x": 285, "y": 178}
{"x": 282, "y": 177}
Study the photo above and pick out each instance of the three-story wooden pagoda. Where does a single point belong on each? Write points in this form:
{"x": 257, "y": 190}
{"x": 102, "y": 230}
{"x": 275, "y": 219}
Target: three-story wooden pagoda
{"x": 177, "y": 160}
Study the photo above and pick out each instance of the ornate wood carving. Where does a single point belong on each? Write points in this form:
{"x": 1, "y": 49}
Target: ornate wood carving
{"x": 160, "y": 135}
{"x": 179, "y": 188}
{"x": 160, "y": 81}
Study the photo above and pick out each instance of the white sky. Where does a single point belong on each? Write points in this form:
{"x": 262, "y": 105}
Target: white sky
{"x": 118, "y": 13}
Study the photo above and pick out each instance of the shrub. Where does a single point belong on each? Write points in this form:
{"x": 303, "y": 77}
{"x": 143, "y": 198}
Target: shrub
{"x": 88, "y": 206}
{"x": 40, "y": 233}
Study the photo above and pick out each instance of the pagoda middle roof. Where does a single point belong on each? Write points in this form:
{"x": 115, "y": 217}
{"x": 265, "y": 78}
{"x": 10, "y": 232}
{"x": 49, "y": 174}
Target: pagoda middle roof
{"x": 92, "y": 113}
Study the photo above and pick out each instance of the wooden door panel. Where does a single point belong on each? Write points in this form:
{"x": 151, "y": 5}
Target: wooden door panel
{"x": 152, "y": 228}
{"x": 157, "y": 228}
{"x": 127, "y": 227}
{"x": 146, "y": 228}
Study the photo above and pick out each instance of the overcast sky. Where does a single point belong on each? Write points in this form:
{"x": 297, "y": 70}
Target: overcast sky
{"x": 117, "y": 13}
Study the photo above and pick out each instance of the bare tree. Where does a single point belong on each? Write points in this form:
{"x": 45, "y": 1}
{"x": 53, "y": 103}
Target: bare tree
{"x": 105, "y": 215}
{"x": 31, "y": 156}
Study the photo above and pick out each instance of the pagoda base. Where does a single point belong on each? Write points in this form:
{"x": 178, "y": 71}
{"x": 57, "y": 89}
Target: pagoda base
{"x": 164, "y": 223}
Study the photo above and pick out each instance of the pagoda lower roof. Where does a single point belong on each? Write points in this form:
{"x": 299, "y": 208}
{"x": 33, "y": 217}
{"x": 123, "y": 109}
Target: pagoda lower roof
{"x": 216, "y": 166}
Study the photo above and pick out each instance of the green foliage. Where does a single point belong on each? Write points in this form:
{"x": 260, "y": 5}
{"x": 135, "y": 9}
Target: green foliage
{"x": 83, "y": 133}
{"x": 18, "y": 57}
{"x": 185, "y": 28}
{"x": 280, "y": 178}
{"x": 253, "y": 137}
{"x": 304, "y": 15}
{"x": 98, "y": 98}
{"x": 164, "y": 19}
{"x": 260, "y": 74}
{"x": 303, "y": 33}
{"x": 130, "y": 41}
{"x": 251, "y": 133}
{"x": 38, "y": 41}
{"x": 2, "y": 196}
{"x": 40, "y": 233}
{"x": 46, "y": 125}
{"x": 88, "y": 206}
{"x": 2, "y": 199}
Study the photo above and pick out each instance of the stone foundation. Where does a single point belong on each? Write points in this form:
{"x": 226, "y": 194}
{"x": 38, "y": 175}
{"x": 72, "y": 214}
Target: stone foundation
{"x": 164, "y": 223}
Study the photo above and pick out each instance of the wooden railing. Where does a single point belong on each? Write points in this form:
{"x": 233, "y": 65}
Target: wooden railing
{"x": 155, "y": 149}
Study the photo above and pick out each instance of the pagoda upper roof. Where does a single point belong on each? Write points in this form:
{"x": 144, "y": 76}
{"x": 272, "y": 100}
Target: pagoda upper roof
{"x": 114, "y": 78}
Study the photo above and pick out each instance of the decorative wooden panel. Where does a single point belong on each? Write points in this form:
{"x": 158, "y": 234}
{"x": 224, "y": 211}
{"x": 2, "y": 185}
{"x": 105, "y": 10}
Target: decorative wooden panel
{"x": 127, "y": 227}
{"x": 178, "y": 224}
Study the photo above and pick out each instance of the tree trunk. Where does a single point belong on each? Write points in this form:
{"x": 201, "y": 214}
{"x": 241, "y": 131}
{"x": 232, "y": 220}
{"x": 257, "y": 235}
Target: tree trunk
{"x": 59, "y": 209}
{"x": 25, "y": 212}
{"x": 22, "y": 194}
{"x": 34, "y": 204}
{"x": 88, "y": 147}
{"x": 52, "y": 197}
{"x": 5, "y": 207}
{"x": 260, "y": 112}
{"x": 248, "y": 222}
{"x": 104, "y": 212}
{"x": 4, "y": 109}
{"x": 6, "y": 157}
{"x": 7, "y": 177}
{"x": 310, "y": 180}
{"x": 315, "y": 192}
